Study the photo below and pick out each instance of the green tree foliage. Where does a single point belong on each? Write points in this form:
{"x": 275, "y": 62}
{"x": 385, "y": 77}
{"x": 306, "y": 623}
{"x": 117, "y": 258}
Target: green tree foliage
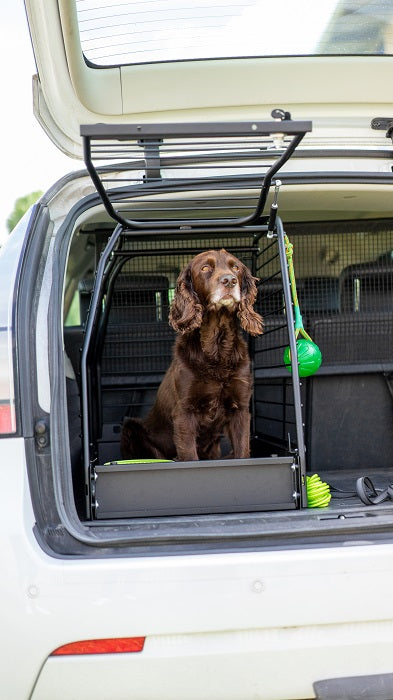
{"x": 21, "y": 206}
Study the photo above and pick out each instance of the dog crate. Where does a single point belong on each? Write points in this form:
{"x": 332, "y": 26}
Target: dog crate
{"x": 175, "y": 191}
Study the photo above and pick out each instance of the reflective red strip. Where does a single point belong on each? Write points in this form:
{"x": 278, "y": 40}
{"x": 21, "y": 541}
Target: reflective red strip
{"x": 6, "y": 419}
{"x": 122, "y": 645}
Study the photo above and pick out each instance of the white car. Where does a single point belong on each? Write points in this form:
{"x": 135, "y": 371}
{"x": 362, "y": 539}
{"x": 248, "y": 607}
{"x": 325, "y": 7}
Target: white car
{"x": 241, "y": 127}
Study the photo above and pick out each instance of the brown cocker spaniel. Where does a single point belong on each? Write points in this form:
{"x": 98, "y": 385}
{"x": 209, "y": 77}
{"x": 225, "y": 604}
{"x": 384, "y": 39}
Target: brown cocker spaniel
{"x": 207, "y": 388}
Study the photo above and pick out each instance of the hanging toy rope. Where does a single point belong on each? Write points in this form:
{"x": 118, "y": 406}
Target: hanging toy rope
{"x": 296, "y": 308}
{"x": 309, "y": 354}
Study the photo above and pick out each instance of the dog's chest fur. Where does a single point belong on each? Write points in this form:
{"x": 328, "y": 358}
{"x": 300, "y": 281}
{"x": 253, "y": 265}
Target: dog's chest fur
{"x": 215, "y": 351}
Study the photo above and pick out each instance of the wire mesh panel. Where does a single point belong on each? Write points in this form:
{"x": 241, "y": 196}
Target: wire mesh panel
{"x": 134, "y": 343}
{"x": 345, "y": 288}
{"x": 275, "y": 417}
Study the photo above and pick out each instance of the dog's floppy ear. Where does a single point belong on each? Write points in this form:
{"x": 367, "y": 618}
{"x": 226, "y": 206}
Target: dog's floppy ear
{"x": 185, "y": 314}
{"x": 250, "y": 320}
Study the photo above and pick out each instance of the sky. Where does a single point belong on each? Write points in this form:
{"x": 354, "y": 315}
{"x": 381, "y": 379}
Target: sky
{"x": 29, "y": 159}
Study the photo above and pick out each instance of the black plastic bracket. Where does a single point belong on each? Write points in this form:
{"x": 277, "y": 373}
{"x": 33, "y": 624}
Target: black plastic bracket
{"x": 383, "y": 124}
{"x": 280, "y": 114}
{"x": 377, "y": 687}
{"x": 152, "y": 158}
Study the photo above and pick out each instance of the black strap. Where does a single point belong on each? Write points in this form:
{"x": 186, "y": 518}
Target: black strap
{"x": 366, "y": 491}
{"x": 341, "y": 493}
{"x": 371, "y": 496}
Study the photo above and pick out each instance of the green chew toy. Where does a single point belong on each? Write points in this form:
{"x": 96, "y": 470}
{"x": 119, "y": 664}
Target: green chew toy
{"x": 309, "y": 357}
{"x": 318, "y": 492}
{"x": 136, "y": 461}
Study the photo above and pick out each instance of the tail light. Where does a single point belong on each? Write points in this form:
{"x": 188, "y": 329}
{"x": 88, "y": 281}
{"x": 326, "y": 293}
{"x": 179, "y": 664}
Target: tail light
{"x": 7, "y": 418}
{"x": 118, "y": 645}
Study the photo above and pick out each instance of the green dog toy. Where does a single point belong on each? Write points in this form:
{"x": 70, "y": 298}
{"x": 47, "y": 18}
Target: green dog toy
{"x": 309, "y": 356}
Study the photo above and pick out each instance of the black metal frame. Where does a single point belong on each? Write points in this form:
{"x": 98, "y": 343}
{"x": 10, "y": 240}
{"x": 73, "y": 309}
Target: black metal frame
{"x": 151, "y": 136}
{"x": 111, "y": 262}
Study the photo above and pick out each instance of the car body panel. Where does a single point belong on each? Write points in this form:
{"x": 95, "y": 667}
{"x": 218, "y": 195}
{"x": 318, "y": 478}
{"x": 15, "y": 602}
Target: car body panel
{"x": 270, "y": 622}
{"x": 266, "y": 663}
{"x": 204, "y": 616}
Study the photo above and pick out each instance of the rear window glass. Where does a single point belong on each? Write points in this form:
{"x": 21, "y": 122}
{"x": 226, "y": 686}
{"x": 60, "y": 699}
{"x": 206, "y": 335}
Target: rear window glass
{"x": 119, "y": 32}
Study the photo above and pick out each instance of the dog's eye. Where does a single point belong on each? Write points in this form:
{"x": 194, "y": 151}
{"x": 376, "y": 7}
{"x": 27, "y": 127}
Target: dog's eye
{"x": 205, "y": 268}
{"x": 235, "y": 267}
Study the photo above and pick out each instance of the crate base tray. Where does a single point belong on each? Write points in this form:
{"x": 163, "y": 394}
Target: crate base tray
{"x": 185, "y": 488}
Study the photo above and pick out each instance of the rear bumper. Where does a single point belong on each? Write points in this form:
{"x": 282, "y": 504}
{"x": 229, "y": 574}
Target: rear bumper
{"x": 271, "y": 664}
{"x": 226, "y": 625}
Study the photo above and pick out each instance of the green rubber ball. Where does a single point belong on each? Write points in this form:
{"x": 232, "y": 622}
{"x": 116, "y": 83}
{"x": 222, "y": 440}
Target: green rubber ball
{"x": 309, "y": 357}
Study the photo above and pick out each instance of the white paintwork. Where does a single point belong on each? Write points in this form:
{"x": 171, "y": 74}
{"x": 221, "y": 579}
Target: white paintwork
{"x": 241, "y": 625}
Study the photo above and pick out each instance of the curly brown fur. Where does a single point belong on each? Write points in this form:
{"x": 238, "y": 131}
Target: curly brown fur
{"x": 207, "y": 388}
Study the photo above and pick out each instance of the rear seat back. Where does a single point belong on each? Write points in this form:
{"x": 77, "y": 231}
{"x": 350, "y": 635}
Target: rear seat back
{"x": 319, "y": 295}
{"x": 367, "y": 287}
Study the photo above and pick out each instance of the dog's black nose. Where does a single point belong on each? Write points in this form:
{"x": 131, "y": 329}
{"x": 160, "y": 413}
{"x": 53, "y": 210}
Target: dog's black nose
{"x": 228, "y": 280}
